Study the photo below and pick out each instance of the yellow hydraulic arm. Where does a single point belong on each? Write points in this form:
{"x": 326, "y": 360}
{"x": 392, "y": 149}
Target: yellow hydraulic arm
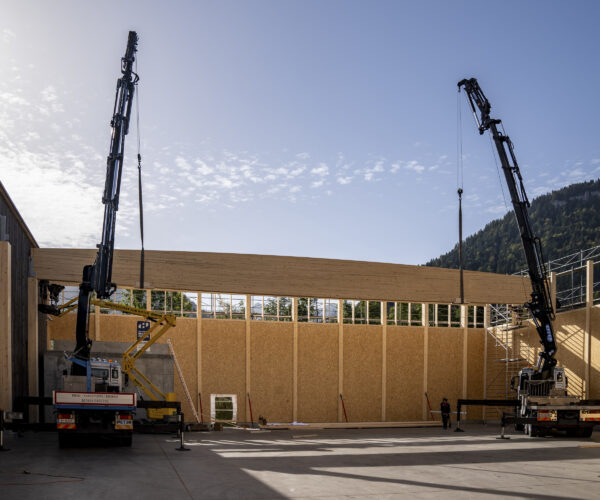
{"x": 161, "y": 323}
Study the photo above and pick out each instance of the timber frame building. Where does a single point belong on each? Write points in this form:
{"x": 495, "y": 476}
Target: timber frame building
{"x": 296, "y": 333}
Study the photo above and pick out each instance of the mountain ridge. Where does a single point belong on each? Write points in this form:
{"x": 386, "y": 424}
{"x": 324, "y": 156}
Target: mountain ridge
{"x": 566, "y": 221}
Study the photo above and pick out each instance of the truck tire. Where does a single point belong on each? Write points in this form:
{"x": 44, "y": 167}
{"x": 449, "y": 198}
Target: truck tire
{"x": 585, "y": 432}
{"x": 519, "y": 427}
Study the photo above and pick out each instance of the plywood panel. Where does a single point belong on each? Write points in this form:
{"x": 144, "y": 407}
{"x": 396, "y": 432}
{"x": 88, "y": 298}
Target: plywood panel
{"x": 569, "y": 329}
{"x": 475, "y": 344}
{"x": 362, "y": 372}
{"x": 224, "y": 362}
{"x": 271, "y": 369}
{"x": 183, "y": 338}
{"x": 119, "y": 328}
{"x": 404, "y": 374}
{"x": 286, "y": 276}
{"x": 62, "y": 328}
{"x": 32, "y": 344}
{"x": 595, "y": 354}
{"x": 445, "y": 365}
{"x": 317, "y": 372}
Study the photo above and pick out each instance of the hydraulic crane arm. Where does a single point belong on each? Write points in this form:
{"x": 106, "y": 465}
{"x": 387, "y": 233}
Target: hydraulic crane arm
{"x": 102, "y": 268}
{"x": 97, "y": 277}
{"x": 540, "y": 304}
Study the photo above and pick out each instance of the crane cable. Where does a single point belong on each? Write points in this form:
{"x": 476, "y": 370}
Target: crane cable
{"x": 459, "y": 185}
{"x": 139, "y": 158}
{"x": 459, "y": 144}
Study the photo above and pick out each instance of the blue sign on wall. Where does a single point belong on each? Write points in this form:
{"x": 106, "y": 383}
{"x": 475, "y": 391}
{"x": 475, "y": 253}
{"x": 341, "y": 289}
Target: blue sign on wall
{"x": 143, "y": 327}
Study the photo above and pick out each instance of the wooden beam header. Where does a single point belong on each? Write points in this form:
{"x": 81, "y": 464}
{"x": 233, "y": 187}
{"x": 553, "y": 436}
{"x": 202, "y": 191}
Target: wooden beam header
{"x": 286, "y": 276}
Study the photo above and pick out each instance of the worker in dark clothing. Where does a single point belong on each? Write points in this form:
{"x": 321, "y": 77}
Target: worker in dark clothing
{"x": 445, "y": 408}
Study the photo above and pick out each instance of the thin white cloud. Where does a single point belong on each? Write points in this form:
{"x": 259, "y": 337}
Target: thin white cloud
{"x": 414, "y": 166}
{"x": 322, "y": 170}
{"x": 297, "y": 171}
{"x": 8, "y": 35}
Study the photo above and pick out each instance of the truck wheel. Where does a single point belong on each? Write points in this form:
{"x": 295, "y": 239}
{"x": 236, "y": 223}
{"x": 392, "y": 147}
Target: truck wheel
{"x": 585, "y": 432}
{"x": 519, "y": 427}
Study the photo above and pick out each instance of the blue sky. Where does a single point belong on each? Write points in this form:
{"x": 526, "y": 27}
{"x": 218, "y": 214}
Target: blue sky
{"x": 322, "y": 129}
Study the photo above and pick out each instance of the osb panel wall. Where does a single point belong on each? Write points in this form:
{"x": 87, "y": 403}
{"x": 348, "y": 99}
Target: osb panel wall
{"x": 404, "y": 380}
{"x": 63, "y": 328}
{"x": 362, "y": 372}
{"x": 528, "y": 343}
{"x": 595, "y": 354}
{"x": 271, "y": 376}
{"x": 569, "y": 329}
{"x": 184, "y": 340}
{"x": 224, "y": 362}
{"x": 318, "y": 372}
{"x": 444, "y": 371}
{"x": 475, "y": 344}
{"x": 121, "y": 328}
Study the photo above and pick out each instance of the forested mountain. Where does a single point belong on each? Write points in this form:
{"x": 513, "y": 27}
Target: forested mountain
{"x": 567, "y": 220}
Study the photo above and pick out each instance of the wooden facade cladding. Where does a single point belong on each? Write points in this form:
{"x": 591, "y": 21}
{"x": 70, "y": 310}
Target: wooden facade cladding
{"x": 19, "y": 241}
{"x": 286, "y": 276}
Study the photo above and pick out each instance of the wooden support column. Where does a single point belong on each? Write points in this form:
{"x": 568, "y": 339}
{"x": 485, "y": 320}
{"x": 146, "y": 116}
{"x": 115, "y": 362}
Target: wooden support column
{"x": 248, "y": 354}
{"x": 199, "y": 353}
{"x": 5, "y": 328}
{"x": 587, "y": 338}
{"x": 464, "y": 323}
{"x": 340, "y": 362}
{"x": 553, "y": 290}
{"x": 383, "y": 360}
{"x": 425, "y": 315}
{"x": 486, "y": 325}
{"x": 32, "y": 345}
{"x": 295, "y": 360}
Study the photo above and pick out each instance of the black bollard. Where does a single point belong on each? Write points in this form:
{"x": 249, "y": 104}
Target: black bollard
{"x": 180, "y": 432}
{"x": 2, "y": 448}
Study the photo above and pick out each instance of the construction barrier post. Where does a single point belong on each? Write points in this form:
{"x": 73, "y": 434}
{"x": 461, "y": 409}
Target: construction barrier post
{"x": 180, "y": 421}
{"x": 502, "y": 436}
{"x": 2, "y": 448}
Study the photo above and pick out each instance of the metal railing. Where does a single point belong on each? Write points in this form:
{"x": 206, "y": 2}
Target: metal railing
{"x": 571, "y": 283}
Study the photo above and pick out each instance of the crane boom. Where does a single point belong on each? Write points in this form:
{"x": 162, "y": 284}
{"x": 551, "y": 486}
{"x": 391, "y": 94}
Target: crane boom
{"x": 97, "y": 277}
{"x": 540, "y": 304}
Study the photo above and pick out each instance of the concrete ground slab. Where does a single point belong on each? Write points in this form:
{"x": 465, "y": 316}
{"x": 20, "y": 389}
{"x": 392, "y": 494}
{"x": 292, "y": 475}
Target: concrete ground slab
{"x": 327, "y": 464}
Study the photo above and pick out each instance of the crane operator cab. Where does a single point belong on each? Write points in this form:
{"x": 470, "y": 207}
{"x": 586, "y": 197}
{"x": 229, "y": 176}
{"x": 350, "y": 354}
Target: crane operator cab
{"x": 106, "y": 375}
{"x": 526, "y": 385}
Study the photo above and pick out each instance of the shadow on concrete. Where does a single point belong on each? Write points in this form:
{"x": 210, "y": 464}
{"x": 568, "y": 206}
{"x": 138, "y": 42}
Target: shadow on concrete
{"x": 248, "y": 457}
